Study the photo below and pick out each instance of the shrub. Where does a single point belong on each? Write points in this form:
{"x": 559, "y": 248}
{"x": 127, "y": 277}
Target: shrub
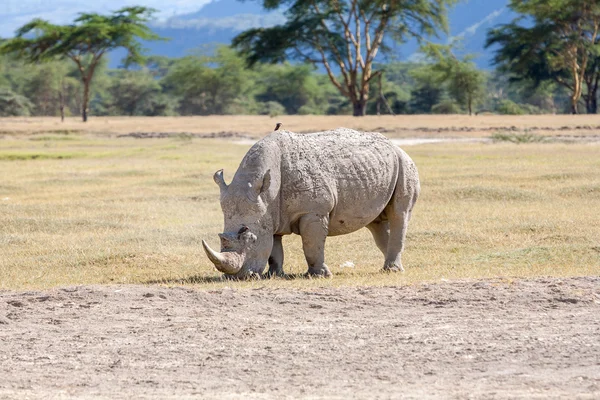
{"x": 13, "y": 104}
{"x": 446, "y": 107}
{"x": 509, "y": 107}
{"x": 272, "y": 108}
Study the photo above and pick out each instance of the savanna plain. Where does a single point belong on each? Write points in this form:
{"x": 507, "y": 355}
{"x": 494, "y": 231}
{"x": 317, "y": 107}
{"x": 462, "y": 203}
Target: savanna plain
{"x": 105, "y": 291}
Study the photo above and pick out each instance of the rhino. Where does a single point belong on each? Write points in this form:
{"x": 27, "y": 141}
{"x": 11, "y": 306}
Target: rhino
{"x": 314, "y": 185}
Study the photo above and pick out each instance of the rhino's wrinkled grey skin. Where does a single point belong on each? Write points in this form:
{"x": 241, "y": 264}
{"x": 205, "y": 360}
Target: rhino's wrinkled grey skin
{"x": 315, "y": 185}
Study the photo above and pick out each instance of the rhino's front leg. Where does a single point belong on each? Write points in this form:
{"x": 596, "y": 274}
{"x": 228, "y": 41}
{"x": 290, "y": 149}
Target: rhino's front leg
{"x": 276, "y": 258}
{"x": 313, "y": 229}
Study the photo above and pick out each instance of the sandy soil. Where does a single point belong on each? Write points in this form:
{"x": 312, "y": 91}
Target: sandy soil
{"x": 482, "y": 339}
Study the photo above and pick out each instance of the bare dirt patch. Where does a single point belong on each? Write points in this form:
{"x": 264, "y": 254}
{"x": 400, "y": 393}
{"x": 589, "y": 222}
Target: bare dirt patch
{"x": 467, "y": 339}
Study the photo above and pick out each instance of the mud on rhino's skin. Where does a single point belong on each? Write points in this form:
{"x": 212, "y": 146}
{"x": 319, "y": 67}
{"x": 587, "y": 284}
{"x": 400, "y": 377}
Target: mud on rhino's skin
{"x": 315, "y": 185}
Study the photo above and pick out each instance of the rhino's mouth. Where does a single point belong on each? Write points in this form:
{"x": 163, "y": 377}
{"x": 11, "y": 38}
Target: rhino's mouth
{"x": 238, "y": 256}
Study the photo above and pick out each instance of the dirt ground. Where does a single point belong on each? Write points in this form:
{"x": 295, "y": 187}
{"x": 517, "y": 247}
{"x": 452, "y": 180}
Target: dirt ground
{"x": 468, "y": 339}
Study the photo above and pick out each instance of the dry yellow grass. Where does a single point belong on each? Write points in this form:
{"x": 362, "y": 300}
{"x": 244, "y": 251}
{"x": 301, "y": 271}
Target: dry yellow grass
{"x": 401, "y": 125}
{"x": 82, "y": 209}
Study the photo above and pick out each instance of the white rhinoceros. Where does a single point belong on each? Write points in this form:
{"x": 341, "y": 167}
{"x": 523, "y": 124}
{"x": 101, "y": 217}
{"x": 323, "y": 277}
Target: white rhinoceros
{"x": 314, "y": 185}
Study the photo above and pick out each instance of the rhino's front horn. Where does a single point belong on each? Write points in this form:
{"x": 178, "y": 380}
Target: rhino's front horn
{"x": 228, "y": 262}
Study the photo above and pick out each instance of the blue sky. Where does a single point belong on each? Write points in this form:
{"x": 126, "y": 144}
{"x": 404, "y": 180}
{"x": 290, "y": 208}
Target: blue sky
{"x": 15, "y": 13}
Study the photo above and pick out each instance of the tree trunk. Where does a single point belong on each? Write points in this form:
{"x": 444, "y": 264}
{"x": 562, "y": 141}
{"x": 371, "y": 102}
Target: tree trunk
{"x": 591, "y": 99}
{"x": 360, "y": 108}
{"x": 588, "y": 104}
{"x": 86, "y": 100}
{"x": 61, "y": 96}
{"x": 573, "y": 106}
{"x": 380, "y": 97}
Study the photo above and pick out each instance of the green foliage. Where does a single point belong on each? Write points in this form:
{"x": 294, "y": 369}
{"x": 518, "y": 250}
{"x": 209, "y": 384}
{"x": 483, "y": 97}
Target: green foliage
{"x": 85, "y": 42}
{"x": 427, "y": 91}
{"x": 294, "y": 87}
{"x": 509, "y": 107}
{"x": 465, "y": 83}
{"x": 446, "y": 107}
{"x": 90, "y": 34}
{"x": 518, "y": 138}
{"x": 136, "y": 93}
{"x": 272, "y": 109}
{"x": 552, "y": 40}
{"x": 220, "y": 83}
{"x": 209, "y": 84}
{"x": 342, "y": 36}
{"x": 13, "y": 104}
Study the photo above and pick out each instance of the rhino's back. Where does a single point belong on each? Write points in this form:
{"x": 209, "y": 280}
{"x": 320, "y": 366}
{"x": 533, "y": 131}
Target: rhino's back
{"x": 346, "y": 174}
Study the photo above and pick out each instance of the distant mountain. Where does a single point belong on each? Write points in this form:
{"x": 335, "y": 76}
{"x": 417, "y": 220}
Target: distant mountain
{"x": 221, "y": 20}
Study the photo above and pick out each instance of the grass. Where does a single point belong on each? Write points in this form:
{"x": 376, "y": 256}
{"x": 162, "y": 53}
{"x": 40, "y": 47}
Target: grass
{"x": 521, "y": 137}
{"x": 135, "y": 211}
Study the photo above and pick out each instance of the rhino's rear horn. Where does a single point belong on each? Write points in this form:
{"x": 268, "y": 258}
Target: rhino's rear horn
{"x": 218, "y": 177}
{"x": 228, "y": 262}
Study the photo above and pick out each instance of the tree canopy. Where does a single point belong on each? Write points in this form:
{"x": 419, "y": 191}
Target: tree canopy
{"x": 85, "y": 42}
{"x": 342, "y": 36}
{"x": 551, "y": 39}
{"x": 465, "y": 82}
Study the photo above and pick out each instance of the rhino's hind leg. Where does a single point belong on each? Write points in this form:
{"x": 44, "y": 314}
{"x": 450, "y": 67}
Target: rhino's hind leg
{"x": 389, "y": 238}
{"x": 398, "y": 213}
{"x": 276, "y": 258}
{"x": 313, "y": 229}
{"x": 381, "y": 233}
{"x": 393, "y": 257}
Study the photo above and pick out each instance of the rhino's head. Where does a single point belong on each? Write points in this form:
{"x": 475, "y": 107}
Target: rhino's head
{"x": 247, "y": 240}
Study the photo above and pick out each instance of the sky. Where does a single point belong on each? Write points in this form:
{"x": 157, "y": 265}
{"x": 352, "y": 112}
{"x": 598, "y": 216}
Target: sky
{"x": 15, "y": 13}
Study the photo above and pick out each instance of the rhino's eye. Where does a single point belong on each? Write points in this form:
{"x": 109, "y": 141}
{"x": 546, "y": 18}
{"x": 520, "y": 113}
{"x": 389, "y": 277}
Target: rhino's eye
{"x": 242, "y": 230}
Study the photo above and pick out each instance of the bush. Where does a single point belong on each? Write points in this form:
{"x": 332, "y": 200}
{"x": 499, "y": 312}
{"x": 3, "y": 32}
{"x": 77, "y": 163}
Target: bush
{"x": 446, "y": 107}
{"x": 509, "y": 107}
{"x": 308, "y": 110}
{"x": 13, "y": 104}
{"x": 531, "y": 109}
{"x": 272, "y": 108}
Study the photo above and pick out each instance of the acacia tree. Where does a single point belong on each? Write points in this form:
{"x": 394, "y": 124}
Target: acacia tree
{"x": 592, "y": 79}
{"x": 85, "y": 42}
{"x": 466, "y": 84}
{"x": 343, "y": 36}
{"x": 558, "y": 42}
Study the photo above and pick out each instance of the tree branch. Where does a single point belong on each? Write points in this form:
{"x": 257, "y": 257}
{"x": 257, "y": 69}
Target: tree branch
{"x": 332, "y": 77}
{"x": 334, "y": 50}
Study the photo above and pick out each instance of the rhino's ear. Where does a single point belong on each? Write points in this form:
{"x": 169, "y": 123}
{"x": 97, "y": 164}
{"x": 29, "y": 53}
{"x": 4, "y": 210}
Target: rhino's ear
{"x": 266, "y": 183}
{"x": 261, "y": 186}
{"x": 218, "y": 177}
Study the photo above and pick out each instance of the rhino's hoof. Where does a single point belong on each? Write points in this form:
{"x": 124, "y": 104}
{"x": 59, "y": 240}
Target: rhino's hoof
{"x": 393, "y": 268}
{"x": 274, "y": 274}
{"x": 319, "y": 272}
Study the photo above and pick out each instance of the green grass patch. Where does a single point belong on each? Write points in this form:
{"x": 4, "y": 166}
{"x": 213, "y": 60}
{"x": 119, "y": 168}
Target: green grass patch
{"x": 494, "y": 194}
{"x": 26, "y": 156}
{"x": 51, "y": 138}
{"x": 518, "y": 138}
